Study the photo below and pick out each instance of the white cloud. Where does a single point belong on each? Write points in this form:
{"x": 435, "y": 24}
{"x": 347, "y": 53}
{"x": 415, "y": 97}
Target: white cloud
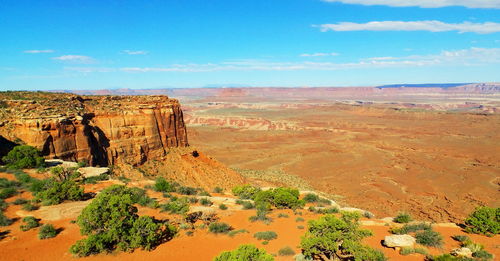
{"x": 425, "y": 3}
{"x": 464, "y": 57}
{"x": 318, "y": 54}
{"x": 431, "y": 26}
{"x": 75, "y": 58}
{"x": 39, "y": 51}
{"x": 138, "y": 52}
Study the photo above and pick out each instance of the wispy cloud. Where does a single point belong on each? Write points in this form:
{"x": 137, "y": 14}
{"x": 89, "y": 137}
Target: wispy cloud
{"x": 138, "y": 52}
{"x": 318, "y": 54}
{"x": 75, "y": 58}
{"x": 431, "y": 26}
{"x": 38, "y": 51}
{"x": 425, "y": 3}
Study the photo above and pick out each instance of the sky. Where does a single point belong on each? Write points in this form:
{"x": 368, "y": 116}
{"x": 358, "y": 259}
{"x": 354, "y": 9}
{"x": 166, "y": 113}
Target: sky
{"x": 103, "y": 44}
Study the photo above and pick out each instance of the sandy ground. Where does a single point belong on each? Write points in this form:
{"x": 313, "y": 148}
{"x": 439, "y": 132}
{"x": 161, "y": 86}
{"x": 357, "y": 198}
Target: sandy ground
{"x": 437, "y": 165}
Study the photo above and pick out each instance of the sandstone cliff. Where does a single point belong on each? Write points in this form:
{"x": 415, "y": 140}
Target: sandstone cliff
{"x": 102, "y": 130}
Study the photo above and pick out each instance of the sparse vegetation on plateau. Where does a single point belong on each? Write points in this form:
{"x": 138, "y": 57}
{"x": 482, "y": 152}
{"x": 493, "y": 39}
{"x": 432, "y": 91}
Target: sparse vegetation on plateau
{"x": 429, "y": 238}
{"x": 280, "y": 198}
{"x": 29, "y": 223}
{"x": 484, "y": 220}
{"x": 286, "y": 251}
{"x": 402, "y": 218}
{"x": 246, "y": 253}
{"x": 51, "y": 192}
{"x": 219, "y": 228}
{"x": 332, "y": 238}
{"x": 245, "y": 191}
{"x": 266, "y": 235}
{"x": 111, "y": 222}
{"x": 24, "y": 156}
{"x": 47, "y": 231}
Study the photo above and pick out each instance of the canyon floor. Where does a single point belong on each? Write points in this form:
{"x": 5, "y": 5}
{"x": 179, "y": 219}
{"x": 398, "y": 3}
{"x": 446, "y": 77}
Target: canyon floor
{"x": 437, "y": 161}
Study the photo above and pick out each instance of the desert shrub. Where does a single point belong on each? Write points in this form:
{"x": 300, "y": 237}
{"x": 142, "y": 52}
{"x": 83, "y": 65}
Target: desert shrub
{"x": 368, "y": 214}
{"x": 218, "y": 190}
{"x": 95, "y": 179}
{"x": 265, "y": 235}
{"x": 310, "y": 197}
{"x": 460, "y": 238}
{"x": 482, "y": 254}
{"x": 3, "y": 104}
{"x": 7, "y": 192}
{"x": 235, "y": 232}
{"x": 24, "y": 179}
{"x": 265, "y": 242}
{"x": 3, "y": 204}
{"x": 178, "y": 206}
{"x": 402, "y": 218}
{"x": 408, "y": 251}
{"x": 261, "y": 214}
{"x": 245, "y": 191}
{"x": 299, "y": 219}
{"x": 331, "y": 210}
{"x": 324, "y": 201}
{"x": 20, "y": 201}
{"x": 429, "y": 238}
{"x": 300, "y": 227}
{"x": 206, "y": 202}
{"x": 29, "y": 223}
{"x": 111, "y": 222}
{"x": 484, "y": 220}
{"x": 410, "y": 228}
{"x": 286, "y": 251}
{"x": 47, "y": 231}
{"x": 29, "y": 207}
{"x": 61, "y": 173}
{"x": 189, "y": 233}
{"x": 219, "y": 228}
{"x": 247, "y": 205}
{"x": 222, "y": 207}
{"x": 332, "y": 238}
{"x": 280, "y": 198}
{"x": 4, "y": 221}
{"x": 162, "y": 185}
{"x": 448, "y": 257}
{"x": 283, "y": 215}
{"x": 53, "y": 192}
{"x": 5, "y": 183}
{"x": 186, "y": 190}
{"x": 24, "y": 156}
{"x": 204, "y": 194}
{"x": 246, "y": 253}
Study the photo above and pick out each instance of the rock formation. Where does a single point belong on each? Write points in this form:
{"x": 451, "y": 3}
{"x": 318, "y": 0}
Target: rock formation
{"x": 102, "y": 130}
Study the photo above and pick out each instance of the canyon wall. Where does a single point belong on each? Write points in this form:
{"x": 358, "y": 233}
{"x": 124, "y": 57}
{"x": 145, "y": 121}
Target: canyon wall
{"x": 103, "y": 130}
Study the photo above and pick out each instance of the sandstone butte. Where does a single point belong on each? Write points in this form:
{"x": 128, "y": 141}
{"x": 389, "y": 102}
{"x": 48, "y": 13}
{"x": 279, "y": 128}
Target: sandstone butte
{"x": 127, "y": 132}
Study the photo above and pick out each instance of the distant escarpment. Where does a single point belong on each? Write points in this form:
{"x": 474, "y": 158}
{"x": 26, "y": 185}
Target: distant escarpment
{"x": 102, "y": 130}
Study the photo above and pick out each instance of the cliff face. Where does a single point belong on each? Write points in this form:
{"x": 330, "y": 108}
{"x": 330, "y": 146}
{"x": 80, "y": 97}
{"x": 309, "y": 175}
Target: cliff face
{"x": 102, "y": 130}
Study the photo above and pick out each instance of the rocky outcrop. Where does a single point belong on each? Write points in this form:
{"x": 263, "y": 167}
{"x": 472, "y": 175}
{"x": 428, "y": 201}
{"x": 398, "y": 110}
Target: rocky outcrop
{"x": 399, "y": 241}
{"x": 102, "y": 130}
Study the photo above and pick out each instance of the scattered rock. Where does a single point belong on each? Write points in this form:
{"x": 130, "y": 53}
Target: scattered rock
{"x": 399, "y": 241}
{"x": 88, "y": 172}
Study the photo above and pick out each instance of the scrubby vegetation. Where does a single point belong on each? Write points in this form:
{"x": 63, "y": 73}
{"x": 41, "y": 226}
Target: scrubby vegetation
{"x": 311, "y": 197}
{"x": 162, "y": 185}
{"x": 246, "y": 191}
{"x": 176, "y": 206}
{"x": 332, "y": 238}
{"x": 402, "y": 218}
{"x": 111, "y": 222}
{"x": 4, "y": 221}
{"x": 246, "y": 253}
{"x": 408, "y": 251}
{"x": 29, "y": 223}
{"x": 266, "y": 235}
{"x": 429, "y": 238}
{"x": 286, "y": 251}
{"x": 222, "y": 207}
{"x": 23, "y": 157}
{"x": 51, "y": 191}
{"x": 280, "y": 198}
{"x": 235, "y": 232}
{"x": 262, "y": 211}
{"x": 219, "y": 228}
{"x": 484, "y": 220}
{"x": 47, "y": 231}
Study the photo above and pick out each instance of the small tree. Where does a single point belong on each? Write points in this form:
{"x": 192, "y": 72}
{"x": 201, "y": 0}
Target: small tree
{"x": 245, "y": 253}
{"x": 24, "y": 156}
{"x": 332, "y": 238}
{"x": 245, "y": 191}
{"x": 47, "y": 231}
{"x": 402, "y": 218}
{"x": 484, "y": 220}
{"x": 52, "y": 192}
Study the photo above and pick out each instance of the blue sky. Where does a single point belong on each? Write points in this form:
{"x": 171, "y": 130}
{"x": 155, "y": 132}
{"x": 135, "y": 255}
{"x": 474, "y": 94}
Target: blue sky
{"x": 98, "y": 44}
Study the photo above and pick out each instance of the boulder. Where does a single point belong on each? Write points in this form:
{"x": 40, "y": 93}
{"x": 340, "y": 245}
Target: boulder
{"x": 399, "y": 241}
{"x": 463, "y": 252}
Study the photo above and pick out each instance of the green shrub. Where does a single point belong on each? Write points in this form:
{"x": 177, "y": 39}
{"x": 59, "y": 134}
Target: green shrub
{"x": 282, "y": 215}
{"x": 280, "y": 198}
{"x": 402, "y": 218}
{"x": 204, "y": 194}
{"x": 95, "y": 179}
{"x": 193, "y": 200}
{"x": 265, "y": 242}
{"x": 429, "y": 238}
{"x": 178, "y": 206}
{"x": 218, "y": 190}
{"x": 245, "y": 253}
{"x": 286, "y": 251}
{"x": 334, "y": 238}
{"x": 83, "y": 164}
{"x": 245, "y": 191}
{"x": 300, "y": 227}
{"x": 408, "y": 251}
{"x": 186, "y": 191}
{"x": 162, "y": 185}
{"x": 20, "y": 201}
{"x": 248, "y": 205}
{"x": 310, "y": 197}
{"x": 368, "y": 214}
{"x": 299, "y": 219}
{"x": 206, "y": 202}
{"x": 235, "y": 232}
{"x": 111, "y": 222}
{"x": 448, "y": 257}
{"x": 29, "y": 207}
{"x": 484, "y": 220}
{"x": 409, "y": 228}
{"x": 54, "y": 192}
{"x": 30, "y": 222}
{"x": 3, "y": 204}
{"x": 261, "y": 215}
{"x": 4, "y": 221}
{"x": 266, "y": 235}
{"x": 222, "y": 207}
{"x": 24, "y": 156}
{"x": 482, "y": 254}
{"x": 460, "y": 238}
{"x": 47, "y": 231}
{"x": 7, "y": 192}
{"x": 219, "y": 228}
